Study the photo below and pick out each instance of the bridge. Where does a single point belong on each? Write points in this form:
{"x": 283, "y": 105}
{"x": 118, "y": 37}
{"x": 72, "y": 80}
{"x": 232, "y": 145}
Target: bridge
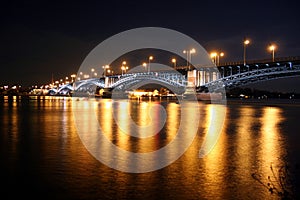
{"x": 202, "y": 79}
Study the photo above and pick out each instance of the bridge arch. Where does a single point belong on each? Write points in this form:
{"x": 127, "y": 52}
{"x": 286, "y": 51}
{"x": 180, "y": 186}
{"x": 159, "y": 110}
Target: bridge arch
{"x": 278, "y": 71}
{"x": 138, "y": 80}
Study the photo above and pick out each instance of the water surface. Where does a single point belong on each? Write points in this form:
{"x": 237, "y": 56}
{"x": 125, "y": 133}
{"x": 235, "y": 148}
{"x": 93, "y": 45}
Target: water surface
{"x": 42, "y": 155}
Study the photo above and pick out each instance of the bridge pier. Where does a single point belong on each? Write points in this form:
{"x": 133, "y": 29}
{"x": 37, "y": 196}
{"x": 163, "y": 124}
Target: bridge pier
{"x": 201, "y": 77}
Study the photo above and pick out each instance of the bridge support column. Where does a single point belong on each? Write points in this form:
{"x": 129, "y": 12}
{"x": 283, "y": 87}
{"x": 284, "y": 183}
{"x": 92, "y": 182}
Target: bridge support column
{"x": 198, "y": 82}
{"x": 207, "y": 76}
{"x": 106, "y": 82}
{"x": 214, "y": 76}
{"x": 192, "y": 77}
{"x": 202, "y": 77}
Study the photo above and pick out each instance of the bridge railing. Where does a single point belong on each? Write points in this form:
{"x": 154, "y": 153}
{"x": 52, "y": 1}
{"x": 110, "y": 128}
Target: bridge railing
{"x": 253, "y": 76}
{"x": 262, "y": 61}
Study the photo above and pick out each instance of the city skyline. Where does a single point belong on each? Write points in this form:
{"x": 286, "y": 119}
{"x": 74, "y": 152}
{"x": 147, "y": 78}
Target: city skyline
{"x": 53, "y": 38}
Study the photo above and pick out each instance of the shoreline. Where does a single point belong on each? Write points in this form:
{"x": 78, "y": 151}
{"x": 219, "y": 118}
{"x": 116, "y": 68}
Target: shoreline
{"x": 229, "y": 101}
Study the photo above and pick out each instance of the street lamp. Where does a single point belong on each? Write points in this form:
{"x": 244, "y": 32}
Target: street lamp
{"x": 220, "y": 55}
{"x": 150, "y": 58}
{"x": 124, "y": 67}
{"x": 92, "y": 72}
{"x": 272, "y": 49}
{"x": 246, "y": 42}
{"x": 174, "y": 61}
{"x": 216, "y": 57}
{"x": 213, "y": 55}
{"x": 86, "y": 76}
{"x": 189, "y": 56}
{"x": 192, "y": 51}
{"x": 73, "y": 76}
{"x": 145, "y": 65}
{"x": 105, "y": 67}
{"x": 57, "y": 83}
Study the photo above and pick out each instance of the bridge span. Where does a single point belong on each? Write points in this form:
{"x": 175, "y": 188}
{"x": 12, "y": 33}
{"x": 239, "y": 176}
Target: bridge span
{"x": 203, "y": 79}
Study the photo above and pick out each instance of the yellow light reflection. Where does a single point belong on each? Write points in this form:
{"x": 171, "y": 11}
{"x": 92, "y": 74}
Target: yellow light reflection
{"x": 270, "y": 138}
{"x": 172, "y": 120}
{"x": 214, "y": 124}
{"x": 106, "y": 119}
{"x": 13, "y": 125}
{"x": 144, "y": 116}
{"x": 123, "y": 117}
{"x": 149, "y": 121}
{"x": 215, "y": 161}
{"x": 244, "y": 144}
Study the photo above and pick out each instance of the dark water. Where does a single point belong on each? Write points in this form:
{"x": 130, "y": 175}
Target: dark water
{"x": 42, "y": 155}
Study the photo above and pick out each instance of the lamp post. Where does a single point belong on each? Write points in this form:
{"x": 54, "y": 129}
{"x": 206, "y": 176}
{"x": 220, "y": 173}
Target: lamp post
{"x": 57, "y": 84}
{"x": 216, "y": 57}
{"x": 213, "y": 56}
{"x": 145, "y": 65}
{"x": 124, "y": 67}
{"x": 189, "y": 56}
{"x": 246, "y": 42}
{"x": 220, "y": 55}
{"x": 150, "y": 58}
{"x": 105, "y": 67}
{"x": 92, "y": 72}
{"x": 192, "y": 51}
{"x": 272, "y": 49}
{"x": 73, "y": 76}
{"x": 86, "y": 76}
{"x": 174, "y": 61}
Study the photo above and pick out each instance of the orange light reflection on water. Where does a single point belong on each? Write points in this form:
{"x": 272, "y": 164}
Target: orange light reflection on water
{"x": 216, "y": 137}
{"x": 271, "y": 140}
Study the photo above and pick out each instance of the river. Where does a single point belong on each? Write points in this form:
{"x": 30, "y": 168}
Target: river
{"x": 44, "y": 149}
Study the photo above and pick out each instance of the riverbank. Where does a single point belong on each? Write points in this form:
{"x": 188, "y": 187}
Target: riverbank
{"x": 229, "y": 101}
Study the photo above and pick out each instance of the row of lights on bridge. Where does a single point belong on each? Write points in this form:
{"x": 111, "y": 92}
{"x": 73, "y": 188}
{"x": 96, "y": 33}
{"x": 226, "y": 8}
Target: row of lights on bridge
{"x": 271, "y": 47}
{"x": 215, "y": 56}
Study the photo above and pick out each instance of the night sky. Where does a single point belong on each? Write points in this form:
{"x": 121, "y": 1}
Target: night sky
{"x": 41, "y": 38}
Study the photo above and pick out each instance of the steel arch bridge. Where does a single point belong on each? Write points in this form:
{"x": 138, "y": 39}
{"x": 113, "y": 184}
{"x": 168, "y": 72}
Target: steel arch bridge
{"x": 247, "y": 74}
{"x": 88, "y": 83}
{"x": 80, "y": 86}
{"x": 228, "y": 77}
{"x": 174, "y": 81}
